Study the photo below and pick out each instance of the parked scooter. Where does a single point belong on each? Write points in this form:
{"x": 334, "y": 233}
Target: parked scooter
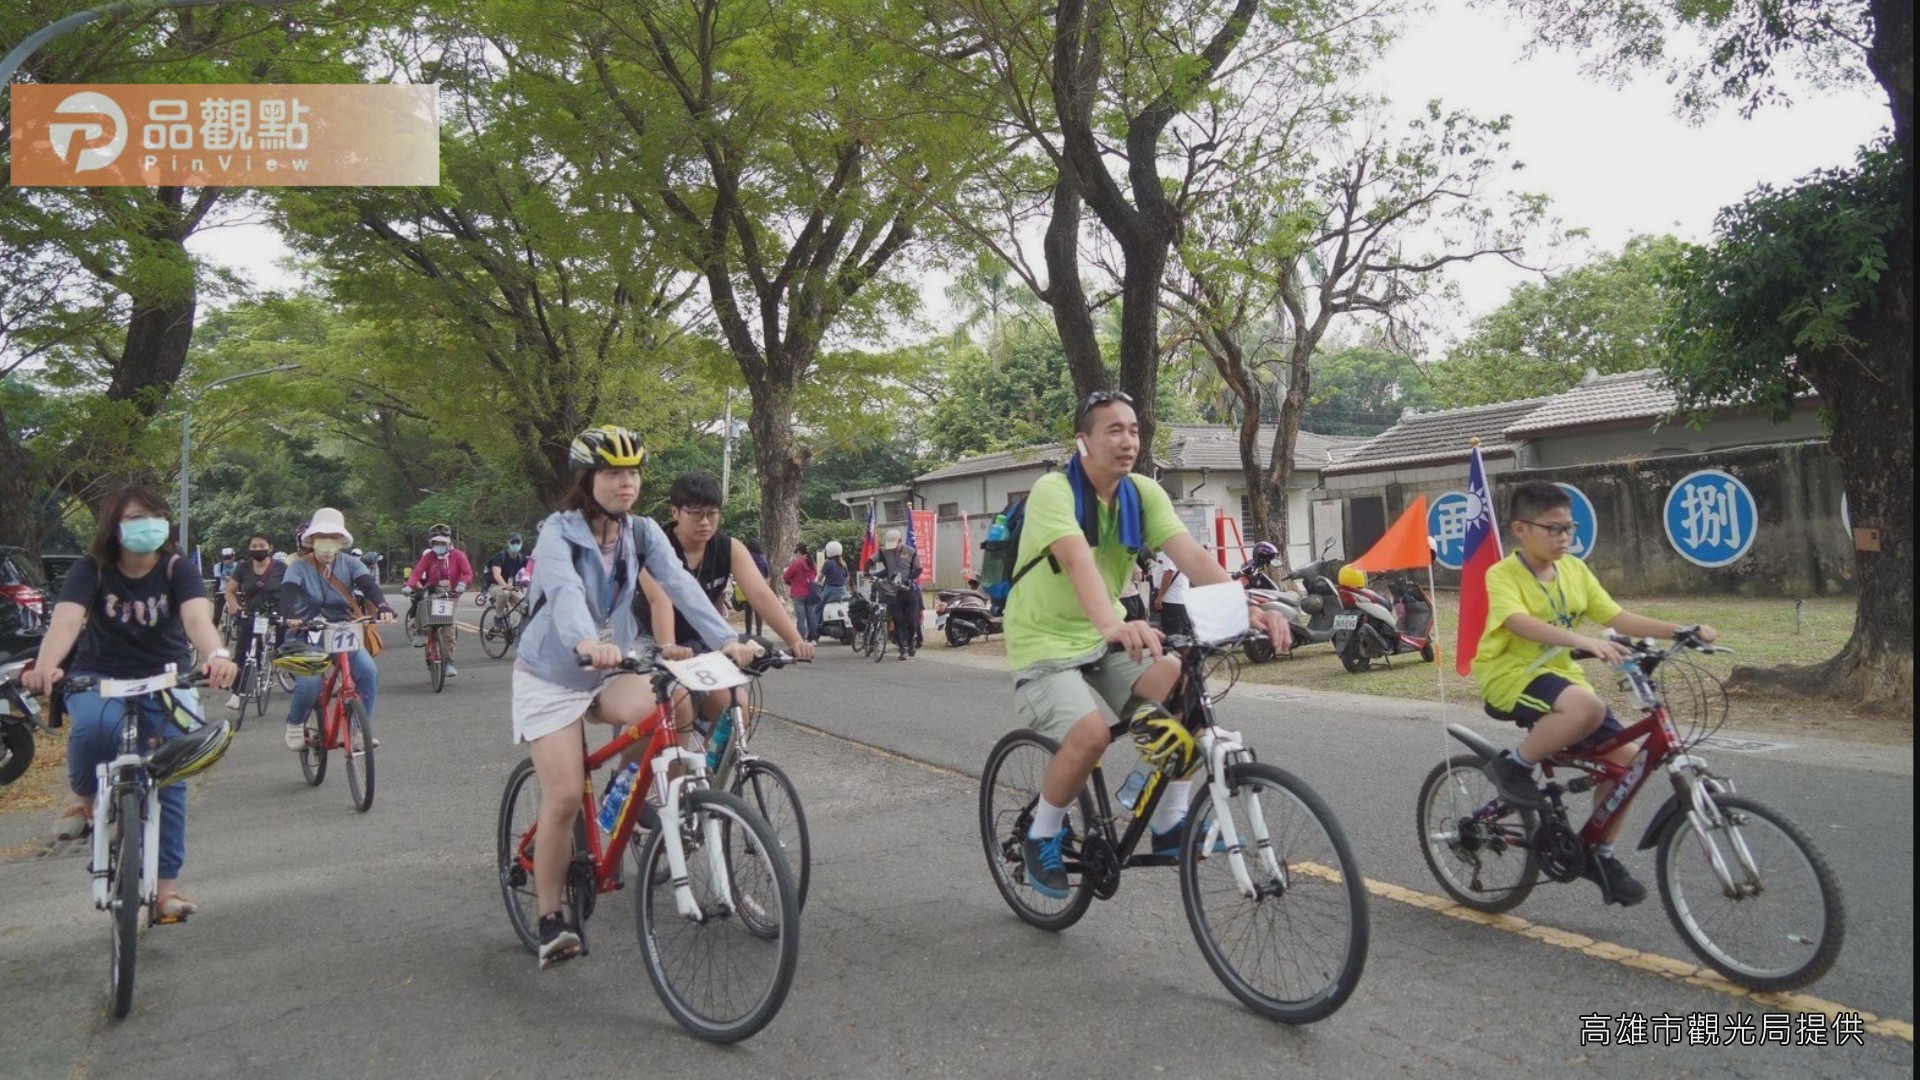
{"x": 836, "y": 621}
{"x": 1310, "y": 612}
{"x": 19, "y": 719}
{"x": 1378, "y": 627}
{"x": 966, "y": 614}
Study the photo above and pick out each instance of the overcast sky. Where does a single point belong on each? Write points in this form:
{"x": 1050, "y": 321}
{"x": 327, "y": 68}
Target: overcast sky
{"x": 1615, "y": 160}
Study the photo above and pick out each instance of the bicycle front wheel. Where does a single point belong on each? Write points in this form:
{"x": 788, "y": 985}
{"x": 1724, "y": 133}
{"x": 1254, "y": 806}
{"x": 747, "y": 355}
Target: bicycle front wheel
{"x": 494, "y": 633}
{"x": 125, "y": 872}
{"x": 721, "y": 973}
{"x": 1009, "y": 789}
{"x": 1778, "y": 923}
{"x": 359, "y": 754}
{"x": 313, "y": 754}
{"x": 262, "y": 690}
{"x": 764, "y": 786}
{"x": 1294, "y": 950}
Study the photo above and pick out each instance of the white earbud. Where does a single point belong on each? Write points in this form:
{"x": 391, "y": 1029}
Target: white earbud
{"x": 1081, "y": 442}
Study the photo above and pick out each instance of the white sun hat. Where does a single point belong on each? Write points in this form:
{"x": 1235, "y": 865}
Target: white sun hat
{"x": 328, "y": 522}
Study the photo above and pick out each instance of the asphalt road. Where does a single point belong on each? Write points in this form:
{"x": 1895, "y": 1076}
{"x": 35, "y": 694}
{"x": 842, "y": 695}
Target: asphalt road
{"x": 335, "y": 944}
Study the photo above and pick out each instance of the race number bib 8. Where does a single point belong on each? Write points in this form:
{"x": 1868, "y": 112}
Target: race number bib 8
{"x": 343, "y": 637}
{"x": 708, "y": 671}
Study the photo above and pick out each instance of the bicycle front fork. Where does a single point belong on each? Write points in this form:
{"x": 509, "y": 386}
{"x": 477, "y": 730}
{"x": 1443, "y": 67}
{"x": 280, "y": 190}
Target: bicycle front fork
{"x": 149, "y": 825}
{"x": 1221, "y": 747}
{"x": 670, "y": 834}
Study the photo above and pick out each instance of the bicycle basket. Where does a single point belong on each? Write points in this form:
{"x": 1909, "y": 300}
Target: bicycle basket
{"x": 300, "y": 658}
{"x": 437, "y": 611}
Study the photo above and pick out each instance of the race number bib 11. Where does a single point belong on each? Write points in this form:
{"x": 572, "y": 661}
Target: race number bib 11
{"x": 343, "y": 637}
{"x": 708, "y": 671}
{"x": 126, "y": 688}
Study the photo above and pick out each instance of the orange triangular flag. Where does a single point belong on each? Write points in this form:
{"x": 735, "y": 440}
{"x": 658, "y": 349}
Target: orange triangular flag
{"x": 1404, "y": 546}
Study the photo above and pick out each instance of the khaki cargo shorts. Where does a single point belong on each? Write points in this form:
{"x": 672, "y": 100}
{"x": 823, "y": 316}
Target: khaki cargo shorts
{"x": 1051, "y": 696}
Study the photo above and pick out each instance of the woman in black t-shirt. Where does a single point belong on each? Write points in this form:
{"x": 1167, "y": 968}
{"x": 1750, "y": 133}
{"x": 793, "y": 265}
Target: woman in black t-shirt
{"x": 132, "y": 605}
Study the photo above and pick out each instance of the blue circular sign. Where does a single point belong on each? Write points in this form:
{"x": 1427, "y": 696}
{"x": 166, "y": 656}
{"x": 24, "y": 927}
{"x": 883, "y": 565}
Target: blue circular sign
{"x": 1711, "y": 518}
{"x": 1586, "y": 523}
{"x": 1447, "y": 527}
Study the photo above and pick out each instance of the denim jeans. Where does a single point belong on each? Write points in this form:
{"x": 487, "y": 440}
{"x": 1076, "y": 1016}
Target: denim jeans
{"x": 95, "y": 740}
{"x": 306, "y": 689}
{"x": 806, "y": 614}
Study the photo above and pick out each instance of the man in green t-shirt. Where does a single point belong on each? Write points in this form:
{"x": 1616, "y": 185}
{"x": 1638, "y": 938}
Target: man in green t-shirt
{"x": 1065, "y": 612}
{"x": 1526, "y": 669}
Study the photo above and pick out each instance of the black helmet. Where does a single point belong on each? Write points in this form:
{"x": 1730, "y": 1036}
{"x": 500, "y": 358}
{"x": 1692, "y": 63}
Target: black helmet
{"x": 513, "y": 538}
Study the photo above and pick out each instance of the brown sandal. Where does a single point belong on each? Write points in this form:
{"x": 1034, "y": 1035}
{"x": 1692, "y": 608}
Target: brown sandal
{"x": 172, "y": 908}
{"x": 74, "y": 823}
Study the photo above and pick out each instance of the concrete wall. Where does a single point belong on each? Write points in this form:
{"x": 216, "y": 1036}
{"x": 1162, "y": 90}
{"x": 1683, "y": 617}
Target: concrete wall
{"x": 1803, "y": 547}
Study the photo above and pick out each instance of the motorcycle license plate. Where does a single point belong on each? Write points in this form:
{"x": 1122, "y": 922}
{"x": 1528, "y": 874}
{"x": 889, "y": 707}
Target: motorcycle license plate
{"x": 1349, "y": 621}
{"x": 25, "y": 703}
{"x": 940, "y": 622}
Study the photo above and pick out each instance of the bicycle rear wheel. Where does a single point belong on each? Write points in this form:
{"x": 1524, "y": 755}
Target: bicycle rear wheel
{"x": 1009, "y": 788}
{"x": 125, "y": 893}
{"x": 514, "y": 839}
{"x": 1784, "y": 929}
{"x": 313, "y": 755}
{"x": 765, "y": 787}
{"x": 493, "y": 633}
{"x": 1475, "y": 845}
{"x": 359, "y": 755}
{"x": 722, "y": 975}
{"x": 1294, "y": 951}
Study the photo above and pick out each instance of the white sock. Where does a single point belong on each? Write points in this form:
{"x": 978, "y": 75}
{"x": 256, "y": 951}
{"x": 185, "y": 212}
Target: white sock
{"x": 1173, "y": 806}
{"x": 1047, "y": 819}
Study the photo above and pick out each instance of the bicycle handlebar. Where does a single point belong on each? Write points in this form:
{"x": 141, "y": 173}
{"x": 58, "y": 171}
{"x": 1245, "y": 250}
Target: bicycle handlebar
{"x": 1687, "y": 637}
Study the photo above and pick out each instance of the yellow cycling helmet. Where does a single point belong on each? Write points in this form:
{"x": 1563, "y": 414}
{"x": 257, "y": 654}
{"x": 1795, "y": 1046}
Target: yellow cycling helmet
{"x": 300, "y": 658}
{"x": 192, "y": 753}
{"x": 608, "y": 446}
{"x": 1163, "y": 740}
{"x": 1353, "y": 577}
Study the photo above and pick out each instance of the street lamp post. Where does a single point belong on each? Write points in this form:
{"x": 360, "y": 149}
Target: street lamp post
{"x": 186, "y": 442}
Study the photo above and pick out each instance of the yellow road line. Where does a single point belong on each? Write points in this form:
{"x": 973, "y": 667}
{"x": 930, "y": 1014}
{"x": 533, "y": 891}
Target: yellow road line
{"x": 1679, "y": 970}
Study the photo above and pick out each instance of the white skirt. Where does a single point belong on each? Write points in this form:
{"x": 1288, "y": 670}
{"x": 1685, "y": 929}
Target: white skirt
{"x": 541, "y": 708}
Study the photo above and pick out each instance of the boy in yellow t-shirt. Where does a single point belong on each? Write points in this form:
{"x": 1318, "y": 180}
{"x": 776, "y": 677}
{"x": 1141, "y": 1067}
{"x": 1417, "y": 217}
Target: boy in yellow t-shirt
{"x": 1525, "y": 667}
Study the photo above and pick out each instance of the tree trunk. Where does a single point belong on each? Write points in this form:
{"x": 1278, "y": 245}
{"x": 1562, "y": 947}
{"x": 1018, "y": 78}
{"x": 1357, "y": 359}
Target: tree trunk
{"x": 22, "y": 493}
{"x": 781, "y": 466}
{"x": 1140, "y": 333}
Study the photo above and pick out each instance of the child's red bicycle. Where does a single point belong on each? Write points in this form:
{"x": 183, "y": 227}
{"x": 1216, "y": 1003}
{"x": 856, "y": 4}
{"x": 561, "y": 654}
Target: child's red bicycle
{"x": 718, "y": 912}
{"x": 1742, "y": 884}
{"x": 339, "y": 719}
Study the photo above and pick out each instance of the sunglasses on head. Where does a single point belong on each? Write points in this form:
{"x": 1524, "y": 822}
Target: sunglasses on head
{"x": 1103, "y": 397}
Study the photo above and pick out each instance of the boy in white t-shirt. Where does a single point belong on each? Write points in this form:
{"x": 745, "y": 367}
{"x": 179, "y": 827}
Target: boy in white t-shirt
{"x": 1170, "y": 597}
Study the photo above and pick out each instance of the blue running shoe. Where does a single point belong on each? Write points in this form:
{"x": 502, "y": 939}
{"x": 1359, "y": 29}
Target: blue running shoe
{"x": 1046, "y": 871}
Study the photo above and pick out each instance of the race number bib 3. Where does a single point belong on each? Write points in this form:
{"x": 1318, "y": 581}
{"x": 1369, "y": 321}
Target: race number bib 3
{"x": 443, "y": 606}
{"x": 708, "y": 671}
{"x": 343, "y": 637}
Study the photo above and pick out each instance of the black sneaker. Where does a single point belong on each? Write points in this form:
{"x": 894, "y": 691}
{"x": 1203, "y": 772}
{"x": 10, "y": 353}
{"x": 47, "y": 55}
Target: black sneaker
{"x": 1046, "y": 868}
{"x": 1514, "y": 780}
{"x": 558, "y": 940}
{"x": 1607, "y": 872}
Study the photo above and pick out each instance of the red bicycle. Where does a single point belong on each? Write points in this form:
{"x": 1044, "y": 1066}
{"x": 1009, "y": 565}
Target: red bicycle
{"x": 1742, "y": 884}
{"x": 339, "y": 719}
{"x": 717, "y": 912}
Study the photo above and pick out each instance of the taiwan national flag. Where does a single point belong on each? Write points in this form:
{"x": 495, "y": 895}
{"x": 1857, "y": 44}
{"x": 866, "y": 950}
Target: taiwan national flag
{"x": 871, "y": 545}
{"x": 1483, "y": 550}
